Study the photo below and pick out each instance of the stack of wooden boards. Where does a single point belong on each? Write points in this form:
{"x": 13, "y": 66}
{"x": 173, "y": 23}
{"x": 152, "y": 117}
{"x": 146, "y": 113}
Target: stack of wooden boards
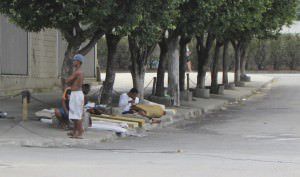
{"x": 131, "y": 121}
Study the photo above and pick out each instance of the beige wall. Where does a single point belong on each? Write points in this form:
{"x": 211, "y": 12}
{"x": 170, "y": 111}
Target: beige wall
{"x": 42, "y": 60}
{"x": 43, "y": 66}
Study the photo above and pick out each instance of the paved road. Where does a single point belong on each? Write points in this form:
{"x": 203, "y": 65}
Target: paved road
{"x": 259, "y": 137}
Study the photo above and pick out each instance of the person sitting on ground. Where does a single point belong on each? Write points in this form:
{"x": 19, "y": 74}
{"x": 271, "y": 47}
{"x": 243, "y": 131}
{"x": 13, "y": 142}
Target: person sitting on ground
{"x": 127, "y": 100}
{"x": 62, "y": 114}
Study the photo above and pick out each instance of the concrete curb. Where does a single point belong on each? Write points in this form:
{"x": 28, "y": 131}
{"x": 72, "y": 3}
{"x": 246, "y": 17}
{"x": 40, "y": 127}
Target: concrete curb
{"x": 190, "y": 113}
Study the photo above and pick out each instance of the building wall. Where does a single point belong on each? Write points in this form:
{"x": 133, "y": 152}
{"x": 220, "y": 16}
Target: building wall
{"x": 43, "y": 65}
{"x": 13, "y": 49}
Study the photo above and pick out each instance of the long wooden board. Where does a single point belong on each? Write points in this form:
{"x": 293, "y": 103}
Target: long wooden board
{"x": 141, "y": 122}
{"x": 130, "y": 124}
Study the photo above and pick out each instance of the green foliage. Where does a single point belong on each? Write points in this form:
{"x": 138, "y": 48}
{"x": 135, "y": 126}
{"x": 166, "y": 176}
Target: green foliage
{"x": 280, "y": 13}
{"x": 298, "y": 10}
{"x": 78, "y": 20}
{"x": 153, "y": 18}
{"x": 197, "y": 16}
{"x": 275, "y": 54}
{"x": 243, "y": 18}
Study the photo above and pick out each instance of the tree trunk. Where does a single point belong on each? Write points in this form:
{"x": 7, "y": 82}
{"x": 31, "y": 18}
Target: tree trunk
{"x": 107, "y": 92}
{"x": 74, "y": 44}
{"x": 237, "y": 63}
{"x": 225, "y": 65}
{"x": 243, "y": 59}
{"x": 182, "y": 60}
{"x": 160, "y": 84}
{"x": 215, "y": 66}
{"x": 67, "y": 66}
{"x": 173, "y": 70}
{"x": 139, "y": 57}
{"x": 203, "y": 49}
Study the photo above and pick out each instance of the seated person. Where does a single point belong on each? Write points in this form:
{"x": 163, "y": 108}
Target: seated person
{"x": 127, "y": 100}
{"x": 62, "y": 113}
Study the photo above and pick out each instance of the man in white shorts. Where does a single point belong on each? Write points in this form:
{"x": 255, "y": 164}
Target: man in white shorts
{"x": 77, "y": 97}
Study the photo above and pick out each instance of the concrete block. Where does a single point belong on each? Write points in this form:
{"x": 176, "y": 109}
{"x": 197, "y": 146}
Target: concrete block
{"x": 240, "y": 84}
{"x": 221, "y": 89}
{"x": 167, "y": 101}
{"x": 201, "y": 93}
{"x": 230, "y": 86}
{"x": 186, "y": 96}
{"x": 218, "y": 91}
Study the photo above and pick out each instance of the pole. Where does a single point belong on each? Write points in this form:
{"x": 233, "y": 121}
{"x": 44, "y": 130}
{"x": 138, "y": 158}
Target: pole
{"x": 98, "y": 76}
{"x": 154, "y": 86}
{"x": 187, "y": 81}
{"x": 25, "y": 102}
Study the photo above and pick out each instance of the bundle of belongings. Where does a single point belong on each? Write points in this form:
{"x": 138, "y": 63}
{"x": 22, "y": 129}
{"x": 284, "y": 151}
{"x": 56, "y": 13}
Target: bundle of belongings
{"x": 150, "y": 111}
{"x": 130, "y": 104}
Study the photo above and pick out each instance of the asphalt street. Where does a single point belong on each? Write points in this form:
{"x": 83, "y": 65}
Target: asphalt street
{"x": 258, "y": 137}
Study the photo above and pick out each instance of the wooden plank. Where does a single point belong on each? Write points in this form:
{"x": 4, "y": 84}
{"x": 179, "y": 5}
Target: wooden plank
{"x": 25, "y": 109}
{"x": 141, "y": 122}
{"x": 130, "y": 124}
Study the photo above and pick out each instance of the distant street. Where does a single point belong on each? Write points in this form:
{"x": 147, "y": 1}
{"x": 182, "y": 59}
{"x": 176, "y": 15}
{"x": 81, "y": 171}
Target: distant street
{"x": 257, "y": 138}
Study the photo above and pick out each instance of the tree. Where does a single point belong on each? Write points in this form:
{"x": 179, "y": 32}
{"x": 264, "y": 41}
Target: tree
{"x": 122, "y": 18}
{"x": 298, "y": 9}
{"x": 292, "y": 50}
{"x": 184, "y": 40}
{"x": 195, "y": 21}
{"x": 79, "y": 21}
{"x": 204, "y": 13}
{"x": 107, "y": 90}
{"x": 191, "y": 20}
{"x": 154, "y": 17}
{"x": 261, "y": 55}
{"x": 244, "y": 20}
{"x": 277, "y": 14}
{"x": 160, "y": 87}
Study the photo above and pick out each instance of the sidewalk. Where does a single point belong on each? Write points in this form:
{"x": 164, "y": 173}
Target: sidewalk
{"x": 33, "y": 133}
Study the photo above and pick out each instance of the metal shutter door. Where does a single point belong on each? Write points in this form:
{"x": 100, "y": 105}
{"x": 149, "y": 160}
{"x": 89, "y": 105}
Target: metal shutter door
{"x": 13, "y": 49}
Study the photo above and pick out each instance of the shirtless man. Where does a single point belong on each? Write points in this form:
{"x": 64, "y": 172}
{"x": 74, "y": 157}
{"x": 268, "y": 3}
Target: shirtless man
{"x": 77, "y": 97}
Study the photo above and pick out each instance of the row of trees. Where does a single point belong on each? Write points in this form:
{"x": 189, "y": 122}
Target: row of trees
{"x": 171, "y": 24}
{"x": 280, "y": 54}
